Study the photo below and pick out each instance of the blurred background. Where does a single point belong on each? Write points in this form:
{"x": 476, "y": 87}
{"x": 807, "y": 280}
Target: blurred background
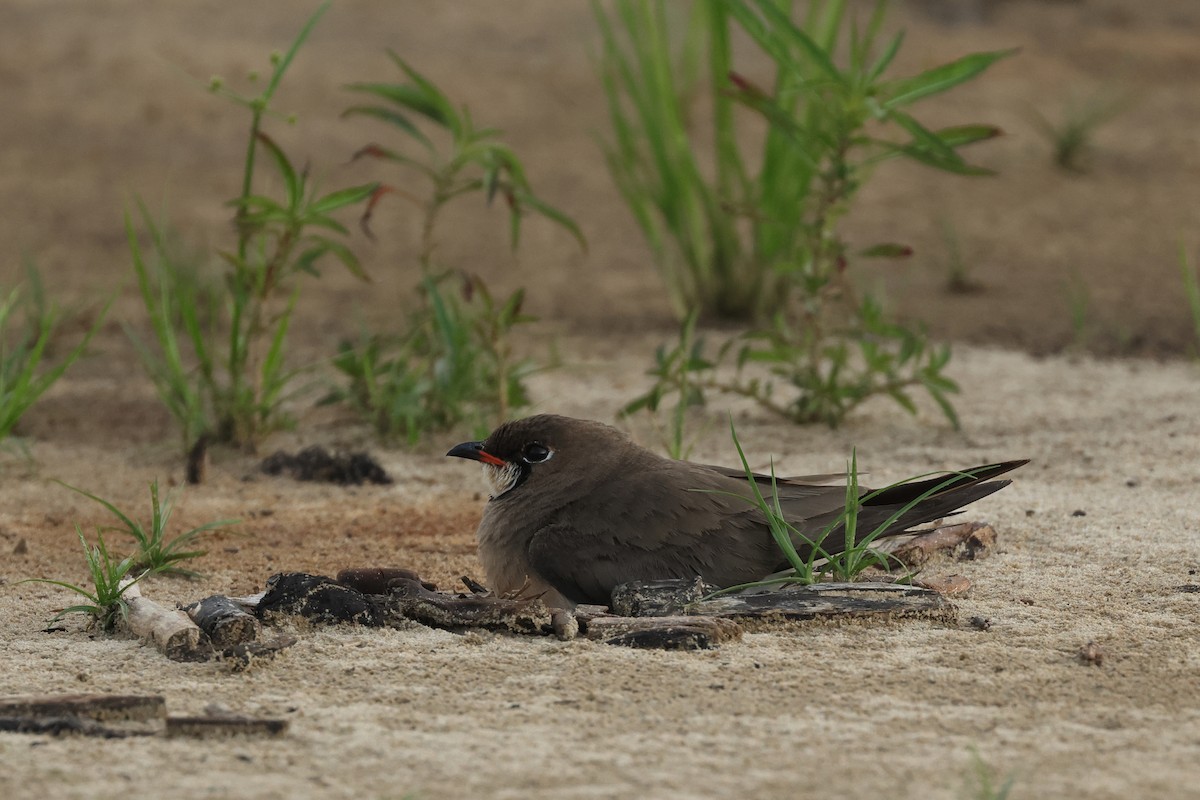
{"x": 105, "y": 101}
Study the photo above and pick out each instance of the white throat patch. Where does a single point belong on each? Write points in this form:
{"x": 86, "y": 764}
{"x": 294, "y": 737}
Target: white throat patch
{"x": 501, "y": 479}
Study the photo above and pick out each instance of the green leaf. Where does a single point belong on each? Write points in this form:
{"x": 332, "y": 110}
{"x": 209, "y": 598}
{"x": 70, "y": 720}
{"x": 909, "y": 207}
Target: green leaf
{"x": 885, "y": 59}
{"x": 553, "y": 214}
{"x": 940, "y": 79}
{"x": 342, "y": 198}
{"x": 284, "y": 62}
{"x": 438, "y": 107}
{"x": 962, "y": 135}
{"x": 781, "y": 33}
{"x": 392, "y": 117}
{"x": 928, "y": 148}
{"x": 342, "y": 253}
{"x": 292, "y": 181}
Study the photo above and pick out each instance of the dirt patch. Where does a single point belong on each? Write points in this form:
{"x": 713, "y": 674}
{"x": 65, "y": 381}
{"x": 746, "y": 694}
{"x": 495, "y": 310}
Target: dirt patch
{"x": 315, "y": 463}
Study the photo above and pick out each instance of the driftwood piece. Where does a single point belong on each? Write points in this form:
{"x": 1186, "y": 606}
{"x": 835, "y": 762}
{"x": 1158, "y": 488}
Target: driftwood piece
{"x": 965, "y": 541}
{"x": 667, "y": 633}
{"x": 216, "y": 726}
{"x": 99, "y": 707}
{"x": 378, "y": 580}
{"x": 81, "y": 714}
{"x": 658, "y": 598}
{"x": 322, "y": 599}
{"x": 409, "y": 599}
{"x": 169, "y": 629}
{"x": 225, "y": 622}
{"x": 118, "y": 716}
{"x": 317, "y": 598}
{"x": 945, "y": 585}
{"x": 62, "y": 726}
{"x": 564, "y": 623}
{"x": 826, "y": 600}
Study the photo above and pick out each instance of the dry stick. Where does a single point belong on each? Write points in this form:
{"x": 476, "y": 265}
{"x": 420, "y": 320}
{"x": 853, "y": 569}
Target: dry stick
{"x": 225, "y": 622}
{"x": 169, "y": 629}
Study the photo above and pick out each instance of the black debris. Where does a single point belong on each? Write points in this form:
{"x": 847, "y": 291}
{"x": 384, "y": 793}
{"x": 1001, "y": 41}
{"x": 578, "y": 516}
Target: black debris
{"x": 317, "y": 464}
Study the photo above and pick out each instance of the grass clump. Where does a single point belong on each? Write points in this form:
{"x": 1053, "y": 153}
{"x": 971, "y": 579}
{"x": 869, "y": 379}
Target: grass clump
{"x": 1072, "y": 134}
{"x": 982, "y": 783}
{"x": 29, "y": 326}
{"x": 760, "y": 239}
{"x": 454, "y": 364}
{"x": 453, "y": 361}
{"x": 156, "y": 553}
{"x": 105, "y": 604}
{"x": 218, "y": 361}
{"x": 819, "y": 557}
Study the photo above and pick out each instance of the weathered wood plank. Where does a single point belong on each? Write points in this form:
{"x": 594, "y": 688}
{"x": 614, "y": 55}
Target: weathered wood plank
{"x": 667, "y": 598}
{"x": 217, "y": 726}
{"x": 99, "y": 707}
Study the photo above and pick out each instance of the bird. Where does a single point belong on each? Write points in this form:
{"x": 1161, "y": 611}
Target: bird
{"x": 577, "y": 508}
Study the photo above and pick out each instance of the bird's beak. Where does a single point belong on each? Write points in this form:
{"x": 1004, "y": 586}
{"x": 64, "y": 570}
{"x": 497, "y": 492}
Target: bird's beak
{"x": 475, "y": 452}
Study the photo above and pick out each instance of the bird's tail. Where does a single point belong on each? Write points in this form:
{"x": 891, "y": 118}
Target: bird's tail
{"x": 894, "y": 510}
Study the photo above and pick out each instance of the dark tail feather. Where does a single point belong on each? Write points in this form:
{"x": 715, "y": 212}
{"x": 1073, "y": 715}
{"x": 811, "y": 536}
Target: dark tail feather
{"x": 907, "y": 492}
{"x": 960, "y": 492}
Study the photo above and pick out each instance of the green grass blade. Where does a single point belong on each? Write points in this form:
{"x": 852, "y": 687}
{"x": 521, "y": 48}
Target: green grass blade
{"x": 286, "y": 60}
{"x": 940, "y": 79}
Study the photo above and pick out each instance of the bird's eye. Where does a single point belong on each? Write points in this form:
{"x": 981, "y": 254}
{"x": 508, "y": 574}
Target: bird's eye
{"x": 535, "y": 453}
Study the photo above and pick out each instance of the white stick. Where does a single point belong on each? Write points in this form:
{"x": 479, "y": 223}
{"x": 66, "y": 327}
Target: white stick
{"x": 170, "y": 630}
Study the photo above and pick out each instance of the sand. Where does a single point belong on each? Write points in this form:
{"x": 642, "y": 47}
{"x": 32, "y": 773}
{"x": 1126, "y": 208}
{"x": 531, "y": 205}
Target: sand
{"x": 880, "y": 709}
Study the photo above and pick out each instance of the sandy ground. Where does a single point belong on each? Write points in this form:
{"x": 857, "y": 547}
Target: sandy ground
{"x": 882, "y": 709}
{"x": 99, "y": 107}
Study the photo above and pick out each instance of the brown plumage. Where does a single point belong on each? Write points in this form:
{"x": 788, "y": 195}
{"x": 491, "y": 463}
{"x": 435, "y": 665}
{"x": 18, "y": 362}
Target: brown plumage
{"x": 577, "y": 508}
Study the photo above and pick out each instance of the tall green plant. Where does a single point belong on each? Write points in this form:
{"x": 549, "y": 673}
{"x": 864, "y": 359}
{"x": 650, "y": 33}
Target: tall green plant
{"x": 454, "y": 360}
{"x": 28, "y": 325}
{"x": 224, "y": 373}
{"x": 477, "y": 160}
{"x": 757, "y": 237}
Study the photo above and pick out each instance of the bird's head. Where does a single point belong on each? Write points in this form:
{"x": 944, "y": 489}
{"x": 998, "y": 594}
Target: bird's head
{"x": 549, "y": 451}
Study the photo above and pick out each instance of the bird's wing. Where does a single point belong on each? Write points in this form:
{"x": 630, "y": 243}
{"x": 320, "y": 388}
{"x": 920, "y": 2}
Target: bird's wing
{"x": 656, "y": 524}
{"x": 814, "y": 481}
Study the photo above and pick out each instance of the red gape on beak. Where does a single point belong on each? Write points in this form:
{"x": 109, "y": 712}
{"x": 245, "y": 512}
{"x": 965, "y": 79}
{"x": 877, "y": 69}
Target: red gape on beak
{"x": 475, "y": 452}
